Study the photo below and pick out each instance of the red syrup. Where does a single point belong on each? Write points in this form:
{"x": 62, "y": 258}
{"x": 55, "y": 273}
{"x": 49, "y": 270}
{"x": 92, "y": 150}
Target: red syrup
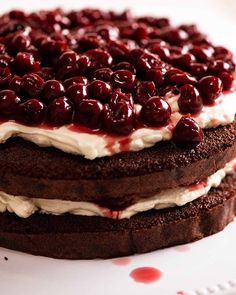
{"x": 146, "y": 275}
{"x": 180, "y": 293}
{"x": 182, "y": 248}
{"x": 197, "y": 185}
{"x": 123, "y": 261}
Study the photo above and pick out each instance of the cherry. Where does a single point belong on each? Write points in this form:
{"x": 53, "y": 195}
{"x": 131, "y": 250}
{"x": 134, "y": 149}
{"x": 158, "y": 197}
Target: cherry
{"x": 89, "y": 113}
{"x": 107, "y": 32}
{"x": 119, "y": 118}
{"x": 52, "y": 48}
{"x": 99, "y": 90}
{"x": 197, "y": 69}
{"x": 59, "y": 111}
{"x": 31, "y": 112}
{"x": 20, "y": 42}
{"x": 5, "y": 77}
{"x": 89, "y": 41}
{"x": 163, "y": 91}
{"x": 8, "y": 103}
{"x": 46, "y": 73}
{"x": 182, "y": 78}
{"x": 52, "y": 89}
{"x": 123, "y": 79}
{"x": 210, "y": 88}
{"x": 32, "y": 84}
{"x": 5, "y": 61}
{"x": 148, "y": 61}
{"x": 155, "y": 112}
{"x": 124, "y": 65}
{"x": 175, "y": 36}
{"x": 103, "y": 74}
{"x": 140, "y": 33}
{"x": 162, "y": 51}
{"x": 17, "y": 14}
{"x": 218, "y": 66}
{"x": 118, "y": 50}
{"x": 75, "y": 80}
{"x": 119, "y": 96}
{"x": 15, "y": 84}
{"x": 183, "y": 60}
{"x": 25, "y": 62}
{"x": 69, "y": 57}
{"x": 202, "y": 54}
{"x": 227, "y": 80}
{"x": 190, "y": 100}
{"x": 221, "y": 52}
{"x": 155, "y": 75}
{"x": 77, "y": 93}
{"x": 187, "y": 132}
{"x": 144, "y": 91}
{"x": 11, "y": 27}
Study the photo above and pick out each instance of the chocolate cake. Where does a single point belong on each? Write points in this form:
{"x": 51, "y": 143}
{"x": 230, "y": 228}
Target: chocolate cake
{"x": 118, "y": 134}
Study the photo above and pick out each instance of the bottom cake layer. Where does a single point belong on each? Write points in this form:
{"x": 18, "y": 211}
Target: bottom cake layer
{"x": 81, "y": 237}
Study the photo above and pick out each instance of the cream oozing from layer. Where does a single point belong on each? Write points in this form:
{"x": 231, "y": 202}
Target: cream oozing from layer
{"x": 92, "y": 145}
{"x": 25, "y": 207}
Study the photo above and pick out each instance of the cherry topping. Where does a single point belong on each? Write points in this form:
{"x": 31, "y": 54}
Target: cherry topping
{"x": 190, "y": 100}
{"x": 202, "y": 54}
{"x": 210, "y": 88}
{"x": 32, "y": 84}
{"x": 119, "y": 96}
{"x": 5, "y": 77}
{"x": 187, "y": 132}
{"x": 15, "y": 84}
{"x": 31, "y": 112}
{"x": 52, "y": 89}
{"x": 8, "y": 103}
{"x": 89, "y": 113}
{"x": 124, "y": 65}
{"x": 123, "y": 79}
{"x": 99, "y": 90}
{"x": 59, "y": 111}
{"x": 77, "y": 93}
{"x": 25, "y": 62}
{"x": 155, "y": 112}
{"x": 119, "y": 118}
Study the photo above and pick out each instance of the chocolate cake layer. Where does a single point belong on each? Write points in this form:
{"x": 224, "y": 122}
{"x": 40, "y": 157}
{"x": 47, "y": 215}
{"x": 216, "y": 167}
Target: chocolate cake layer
{"x": 115, "y": 181}
{"x": 80, "y": 237}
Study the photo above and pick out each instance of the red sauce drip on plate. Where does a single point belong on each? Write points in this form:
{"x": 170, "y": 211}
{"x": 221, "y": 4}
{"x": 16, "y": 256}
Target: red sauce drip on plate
{"x": 146, "y": 275}
{"x": 121, "y": 261}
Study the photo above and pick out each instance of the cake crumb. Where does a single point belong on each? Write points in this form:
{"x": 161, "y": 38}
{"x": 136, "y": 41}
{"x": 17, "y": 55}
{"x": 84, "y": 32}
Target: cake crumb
{"x": 5, "y": 258}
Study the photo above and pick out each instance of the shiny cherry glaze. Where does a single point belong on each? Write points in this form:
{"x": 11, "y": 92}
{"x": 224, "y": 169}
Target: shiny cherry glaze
{"x": 187, "y": 132}
{"x": 155, "y": 112}
{"x": 104, "y": 70}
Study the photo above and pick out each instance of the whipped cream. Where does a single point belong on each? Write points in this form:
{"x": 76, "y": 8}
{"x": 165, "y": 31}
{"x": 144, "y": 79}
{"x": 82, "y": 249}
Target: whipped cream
{"x": 94, "y": 145}
{"x": 25, "y": 207}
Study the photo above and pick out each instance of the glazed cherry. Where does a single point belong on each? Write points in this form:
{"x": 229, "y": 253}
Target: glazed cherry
{"x": 8, "y": 103}
{"x": 119, "y": 118}
{"x": 183, "y": 61}
{"x": 162, "y": 51}
{"x": 75, "y": 80}
{"x": 77, "y": 93}
{"x": 227, "y": 80}
{"x": 166, "y": 90}
{"x": 31, "y": 112}
{"x": 5, "y": 77}
{"x": 155, "y": 75}
{"x": 210, "y": 88}
{"x": 148, "y": 61}
{"x": 20, "y": 42}
{"x": 15, "y": 84}
{"x": 69, "y": 57}
{"x": 59, "y": 111}
{"x": 5, "y": 61}
{"x": 175, "y": 36}
{"x": 218, "y": 66}
{"x": 119, "y": 96}
{"x": 99, "y": 90}
{"x": 124, "y": 65}
{"x": 187, "y": 132}
{"x": 52, "y": 89}
{"x": 25, "y": 62}
{"x": 103, "y": 74}
{"x": 107, "y": 32}
{"x": 144, "y": 91}
{"x": 89, "y": 41}
{"x": 190, "y": 100}
{"x": 197, "y": 69}
{"x": 123, "y": 79}
{"x": 181, "y": 78}
{"x": 202, "y": 54}
{"x": 118, "y": 50}
{"x": 89, "y": 113}
{"x": 32, "y": 85}
{"x": 155, "y": 112}
{"x": 11, "y": 27}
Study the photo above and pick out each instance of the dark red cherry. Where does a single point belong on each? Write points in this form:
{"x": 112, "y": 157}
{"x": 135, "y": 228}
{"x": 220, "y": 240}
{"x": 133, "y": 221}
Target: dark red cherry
{"x": 31, "y": 112}
{"x": 155, "y": 112}
{"x": 197, "y": 69}
{"x": 227, "y": 80}
{"x": 156, "y": 76}
{"x": 19, "y": 42}
{"x": 202, "y": 54}
{"x": 144, "y": 90}
{"x": 47, "y": 73}
{"x": 5, "y": 61}
{"x": 187, "y": 132}
{"x": 89, "y": 41}
{"x": 89, "y": 113}
{"x": 32, "y": 85}
{"x": 119, "y": 96}
{"x": 75, "y": 80}
{"x": 99, "y": 90}
{"x": 11, "y": 27}
{"x": 103, "y": 74}
{"x": 69, "y": 57}
{"x": 124, "y": 79}
{"x": 119, "y": 118}
{"x": 218, "y": 66}
{"x": 190, "y": 100}
{"x": 210, "y": 88}
{"x": 162, "y": 51}
{"x": 15, "y": 84}
{"x": 77, "y": 93}
{"x": 148, "y": 61}
{"x": 25, "y": 62}
{"x": 183, "y": 61}
{"x": 182, "y": 79}
{"x": 108, "y": 32}
{"x": 166, "y": 90}
{"x": 59, "y": 111}
{"x": 52, "y": 48}
{"x": 5, "y": 77}
{"x": 52, "y": 89}
{"x": 175, "y": 36}
{"x": 8, "y": 103}
{"x": 118, "y": 50}
{"x": 124, "y": 65}
{"x": 221, "y": 52}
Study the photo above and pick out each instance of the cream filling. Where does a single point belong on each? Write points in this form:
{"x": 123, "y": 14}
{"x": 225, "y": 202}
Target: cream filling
{"x": 25, "y": 207}
{"x": 94, "y": 145}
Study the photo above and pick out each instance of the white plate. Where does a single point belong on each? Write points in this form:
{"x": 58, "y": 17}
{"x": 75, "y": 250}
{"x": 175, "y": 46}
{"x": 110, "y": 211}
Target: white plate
{"x": 200, "y": 268}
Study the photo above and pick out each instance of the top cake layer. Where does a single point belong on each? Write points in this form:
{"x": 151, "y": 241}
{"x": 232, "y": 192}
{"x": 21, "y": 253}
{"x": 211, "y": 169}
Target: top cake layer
{"x": 97, "y": 83}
